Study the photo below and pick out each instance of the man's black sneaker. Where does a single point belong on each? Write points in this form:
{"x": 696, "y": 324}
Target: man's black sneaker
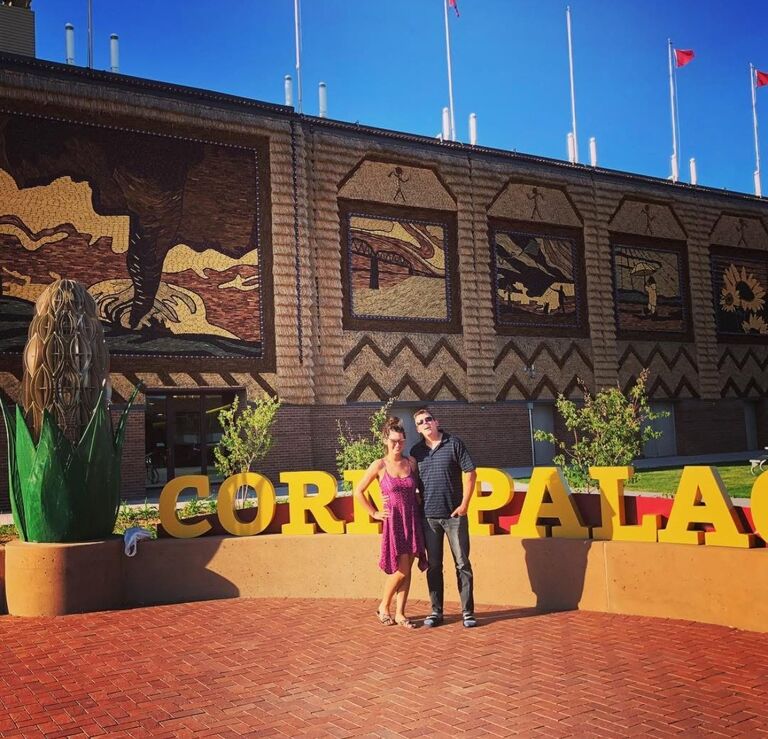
{"x": 434, "y": 619}
{"x": 469, "y": 621}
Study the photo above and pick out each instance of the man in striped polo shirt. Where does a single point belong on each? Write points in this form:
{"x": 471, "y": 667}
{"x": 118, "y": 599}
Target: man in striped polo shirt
{"x": 447, "y": 481}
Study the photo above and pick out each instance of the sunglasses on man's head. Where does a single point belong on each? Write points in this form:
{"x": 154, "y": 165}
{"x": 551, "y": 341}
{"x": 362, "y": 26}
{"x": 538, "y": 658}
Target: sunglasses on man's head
{"x": 426, "y": 419}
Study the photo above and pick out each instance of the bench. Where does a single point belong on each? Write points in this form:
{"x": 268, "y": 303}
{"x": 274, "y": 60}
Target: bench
{"x": 758, "y": 465}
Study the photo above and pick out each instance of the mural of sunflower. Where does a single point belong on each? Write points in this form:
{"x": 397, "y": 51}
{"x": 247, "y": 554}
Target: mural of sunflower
{"x": 755, "y": 324}
{"x": 728, "y": 300}
{"x": 741, "y": 290}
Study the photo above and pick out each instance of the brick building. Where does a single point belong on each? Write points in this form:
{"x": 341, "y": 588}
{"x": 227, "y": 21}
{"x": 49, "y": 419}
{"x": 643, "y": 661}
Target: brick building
{"x": 236, "y": 247}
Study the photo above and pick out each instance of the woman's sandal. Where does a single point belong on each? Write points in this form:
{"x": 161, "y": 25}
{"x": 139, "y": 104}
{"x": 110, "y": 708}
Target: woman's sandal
{"x": 406, "y": 623}
{"x": 384, "y": 618}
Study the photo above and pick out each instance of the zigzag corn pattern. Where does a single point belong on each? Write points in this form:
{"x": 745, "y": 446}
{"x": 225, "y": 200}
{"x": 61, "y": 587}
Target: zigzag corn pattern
{"x": 414, "y": 368}
{"x": 674, "y": 372}
{"x": 559, "y": 366}
{"x": 741, "y": 371}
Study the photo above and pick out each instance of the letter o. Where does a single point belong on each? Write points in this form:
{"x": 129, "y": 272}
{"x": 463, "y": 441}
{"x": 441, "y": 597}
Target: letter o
{"x": 225, "y": 506}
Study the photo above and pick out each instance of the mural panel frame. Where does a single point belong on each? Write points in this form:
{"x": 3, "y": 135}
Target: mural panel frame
{"x": 756, "y": 256}
{"x": 676, "y": 247}
{"x": 532, "y": 327}
{"x": 260, "y": 238}
{"x": 442, "y": 218}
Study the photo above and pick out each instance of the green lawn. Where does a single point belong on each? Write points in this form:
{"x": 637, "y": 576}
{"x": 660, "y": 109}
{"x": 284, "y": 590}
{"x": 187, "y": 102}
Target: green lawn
{"x": 736, "y": 477}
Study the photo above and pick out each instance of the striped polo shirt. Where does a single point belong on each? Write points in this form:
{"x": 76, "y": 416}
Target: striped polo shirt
{"x": 440, "y": 474}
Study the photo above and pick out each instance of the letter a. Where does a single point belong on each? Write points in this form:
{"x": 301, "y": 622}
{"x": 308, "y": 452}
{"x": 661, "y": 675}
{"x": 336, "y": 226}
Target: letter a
{"x": 561, "y": 506}
{"x": 701, "y": 498}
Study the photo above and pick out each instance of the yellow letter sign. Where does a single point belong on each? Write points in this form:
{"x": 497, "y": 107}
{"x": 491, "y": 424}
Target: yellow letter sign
{"x": 167, "y": 506}
{"x": 362, "y": 523}
{"x": 701, "y": 498}
{"x": 300, "y": 504}
{"x": 267, "y": 503}
{"x": 502, "y": 489}
{"x": 614, "y": 526}
{"x": 759, "y": 504}
{"x": 561, "y": 506}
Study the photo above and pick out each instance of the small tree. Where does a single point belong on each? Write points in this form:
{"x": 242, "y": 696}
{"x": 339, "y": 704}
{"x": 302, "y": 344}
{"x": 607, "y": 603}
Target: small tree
{"x": 610, "y": 429}
{"x": 246, "y": 437}
{"x": 359, "y": 452}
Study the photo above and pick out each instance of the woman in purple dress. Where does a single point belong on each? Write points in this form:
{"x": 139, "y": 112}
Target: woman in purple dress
{"x": 402, "y": 539}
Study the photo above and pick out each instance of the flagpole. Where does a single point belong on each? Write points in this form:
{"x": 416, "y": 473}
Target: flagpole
{"x": 758, "y": 186}
{"x": 297, "y": 33}
{"x": 672, "y": 109}
{"x": 450, "y": 76}
{"x": 90, "y": 34}
{"x": 573, "y": 89}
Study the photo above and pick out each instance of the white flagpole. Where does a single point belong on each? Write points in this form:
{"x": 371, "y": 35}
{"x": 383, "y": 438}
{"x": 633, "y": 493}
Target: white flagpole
{"x": 752, "y": 85}
{"x": 297, "y": 33}
{"x": 573, "y": 89}
{"x": 450, "y": 76}
{"x": 90, "y": 34}
{"x": 673, "y": 113}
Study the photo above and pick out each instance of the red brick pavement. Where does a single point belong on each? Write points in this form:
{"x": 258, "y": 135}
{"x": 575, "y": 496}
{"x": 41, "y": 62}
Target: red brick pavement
{"x": 326, "y": 668}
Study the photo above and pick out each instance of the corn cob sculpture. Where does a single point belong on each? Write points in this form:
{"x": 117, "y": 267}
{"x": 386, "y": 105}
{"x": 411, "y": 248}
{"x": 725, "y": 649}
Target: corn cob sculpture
{"x": 64, "y": 456}
{"x": 66, "y": 363}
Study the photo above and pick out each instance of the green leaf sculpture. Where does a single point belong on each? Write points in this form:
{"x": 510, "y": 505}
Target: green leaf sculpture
{"x": 60, "y": 491}
{"x": 64, "y": 467}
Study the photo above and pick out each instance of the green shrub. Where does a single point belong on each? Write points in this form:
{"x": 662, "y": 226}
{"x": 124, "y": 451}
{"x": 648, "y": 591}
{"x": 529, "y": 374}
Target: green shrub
{"x": 246, "y": 437}
{"x": 8, "y": 533}
{"x": 147, "y": 516}
{"x": 609, "y": 430}
{"x": 359, "y": 452}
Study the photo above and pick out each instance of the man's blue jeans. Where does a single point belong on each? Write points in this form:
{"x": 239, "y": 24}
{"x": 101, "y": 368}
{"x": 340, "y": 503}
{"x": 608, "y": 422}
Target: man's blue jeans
{"x": 457, "y": 531}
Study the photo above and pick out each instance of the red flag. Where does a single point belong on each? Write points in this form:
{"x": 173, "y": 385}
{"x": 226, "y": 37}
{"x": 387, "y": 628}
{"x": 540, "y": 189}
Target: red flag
{"x": 455, "y": 6}
{"x": 761, "y": 78}
{"x": 683, "y": 56}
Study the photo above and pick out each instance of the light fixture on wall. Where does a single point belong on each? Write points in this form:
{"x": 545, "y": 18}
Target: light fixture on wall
{"x": 530, "y": 370}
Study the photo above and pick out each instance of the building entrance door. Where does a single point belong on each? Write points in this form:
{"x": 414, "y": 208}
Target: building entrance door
{"x": 181, "y": 430}
{"x": 666, "y": 445}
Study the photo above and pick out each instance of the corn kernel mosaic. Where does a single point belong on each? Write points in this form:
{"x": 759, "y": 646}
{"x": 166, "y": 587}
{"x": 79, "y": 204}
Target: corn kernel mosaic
{"x": 649, "y": 289}
{"x": 163, "y": 231}
{"x": 399, "y": 268}
{"x": 536, "y": 280}
{"x": 739, "y": 281}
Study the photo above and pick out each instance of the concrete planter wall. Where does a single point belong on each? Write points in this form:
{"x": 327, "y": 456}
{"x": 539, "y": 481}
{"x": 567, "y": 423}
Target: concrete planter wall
{"x": 56, "y": 579}
{"x": 3, "y": 608}
{"x": 699, "y": 583}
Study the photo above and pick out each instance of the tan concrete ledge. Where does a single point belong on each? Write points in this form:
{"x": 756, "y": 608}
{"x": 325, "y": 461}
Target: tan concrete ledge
{"x": 3, "y": 607}
{"x": 56, "y": 579}
{"x": 710, "y": 584}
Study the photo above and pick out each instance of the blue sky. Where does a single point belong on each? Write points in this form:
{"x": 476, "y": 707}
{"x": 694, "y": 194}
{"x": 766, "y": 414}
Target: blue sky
{"x": 384, "y": 63}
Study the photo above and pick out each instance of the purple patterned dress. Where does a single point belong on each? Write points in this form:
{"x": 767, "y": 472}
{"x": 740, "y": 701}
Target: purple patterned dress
{"x": 402, "y": 533}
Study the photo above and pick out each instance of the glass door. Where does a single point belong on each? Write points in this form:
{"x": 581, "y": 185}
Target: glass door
{"x": 181, "y": 431}
{"x": 186, "y": 423}
{"x": 156, "y": 441}
{"x": 212, "y": 404}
